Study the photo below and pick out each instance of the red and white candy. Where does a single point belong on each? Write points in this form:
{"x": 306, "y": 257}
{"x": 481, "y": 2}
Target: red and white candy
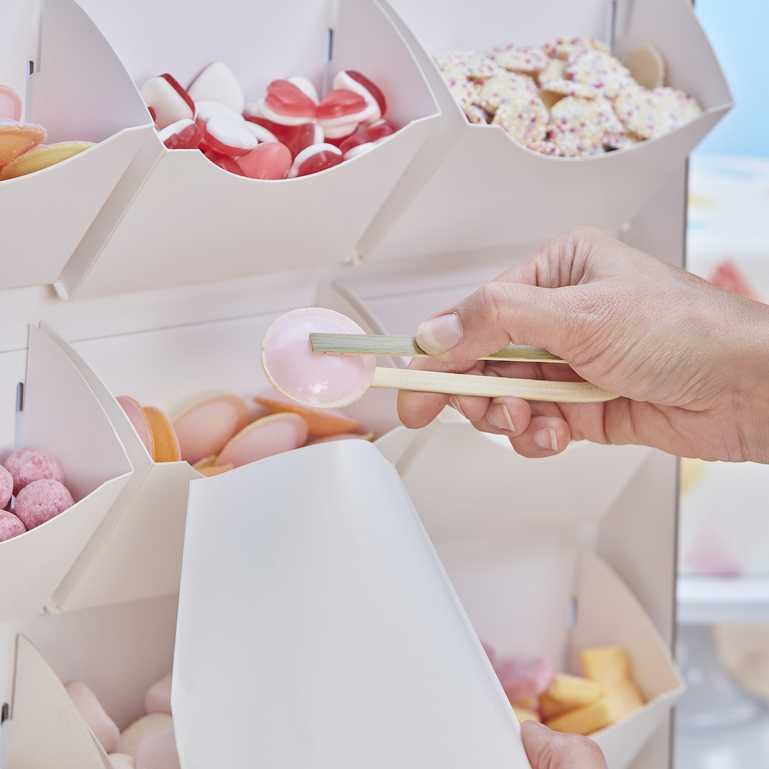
{"x": 167, "y": 101}
{"x": 352, "y": 80}
{"x": 229, "y": 136}
{"x": 315, "y": 158}
{"x": 271, "y": 160}
{"x": 286, "y": 103}
{"x": 340, "y": 107}
{"x": 217, "y": 83}
{"x": 183, "y": 134}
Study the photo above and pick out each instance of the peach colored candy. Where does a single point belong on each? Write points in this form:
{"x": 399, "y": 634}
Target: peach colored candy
{"x": 158, "y": 697}
{"x": 40, "y": 501}
{"x": 10, "y": 526}
{"x": 10, "y": 104}
{"x": 94, "y": 715}
{"x": 121, "y": 761}
{"x": 18, "y": 138}
{"x": 135, "y": 414}
{"x": 343, "y": 437}
{"x": 270, "y": 160}
{"x": 267, "y": 436}
{"x": 163, "y": 436}
{"x": 27, "y": 465}
{"x": 42, "y": 157}
{"x": 315, "y": 379}
{"x": 212, "y": 470}
{"x": 204, "y": 428}
{"x": 6, "y": 486}
{"x": 158, "y": 752}
{"x": 147, "y": 726}
{"x": 321, "y": 424}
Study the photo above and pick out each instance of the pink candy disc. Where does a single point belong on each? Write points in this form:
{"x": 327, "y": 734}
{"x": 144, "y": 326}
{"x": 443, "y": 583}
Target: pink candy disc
{"x": 267, "y": 161}
{"x": 315, "y": 379}
{"x": 217, "y": 83}
{"x": 341, "y": 106}
{"x": 6, "y": 486}
{"x": 267, "y": 436}
{"x": 229, "y": 136}
{"x": 351, "y": 80}
{"x": 10, "y": 526}
{"x": 183, "y": 134}
{"x": 287, "y": 104}
{"x": 28, "y": 465}
{"x": 40, "y": 501}
{"x": 204, "y": 428}
{"x": 524, "y": 678}
{"x": 135, "y": 414}
{"x": 167, "y": 100}
{"x": 10, "y": 104}
{"x": 316, "y": 158}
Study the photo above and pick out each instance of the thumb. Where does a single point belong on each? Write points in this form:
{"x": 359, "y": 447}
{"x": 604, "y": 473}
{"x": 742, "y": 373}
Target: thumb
{"x": 495, "y": 315}
{"x": 546, "y": 749}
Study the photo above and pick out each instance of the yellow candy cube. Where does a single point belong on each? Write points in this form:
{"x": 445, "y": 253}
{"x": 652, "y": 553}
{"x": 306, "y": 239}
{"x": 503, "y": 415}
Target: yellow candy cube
{"x": 573, "y": 690}
{"x": 552, "y": 709}
{"x": 584, "y": 720}
{"x": 607, "y": 665}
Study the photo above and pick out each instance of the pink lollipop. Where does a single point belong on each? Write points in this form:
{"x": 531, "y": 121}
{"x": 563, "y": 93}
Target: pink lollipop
{"x": 315, "y": 379}
{"x": 10, "y": 104}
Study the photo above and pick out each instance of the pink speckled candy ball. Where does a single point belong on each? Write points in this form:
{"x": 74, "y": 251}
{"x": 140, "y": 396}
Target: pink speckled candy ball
{"x": 10, "y": 526}
{"x": 6, "y": 486}
{"x": 27, "y": 465}
{"x": 42, "y": 500}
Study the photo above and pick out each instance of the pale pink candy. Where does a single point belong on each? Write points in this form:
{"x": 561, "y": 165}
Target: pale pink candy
{"x": 6, "y": 486}
{"x": 306, "y": 87}
{"x": 121, "y": 761}
{"x": 360, "y": 149}
{"x": 204, "y": 428}
{"x": 218, "y": 83}
{"x": 229, "y": 136}
{"x": 10, "y": 104}
{"x": 168, "y": 101}
{"x": 158, "y": 697}
{"x": 27, "y": 465}
{"x": 158, "y": 752}
{"x": 10, "y": 526}
{"x": 146, "y": 727}
{"x": 135, "y": 414}
{"x": 266, "y": 437}
{"x": 524, "y": 678}
{"x": 94, "y": 715}
{"x": 315, "y": 379}
{"x": 40, "y": 501}
{"x": 271, "y": 160}
{"x": 344, "y": 81}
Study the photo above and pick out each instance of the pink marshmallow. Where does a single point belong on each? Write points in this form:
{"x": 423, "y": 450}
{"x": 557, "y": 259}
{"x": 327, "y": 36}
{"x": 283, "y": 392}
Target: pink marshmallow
{"x": 6, "y": 486}
{"x": 267, "y": 436}
{"x": 27, "y": 465}
{"x": 158, "y": 697}
{"x": 89, "y": 707}
{"x": 42, "y": 500}
{"x": 158, "y": 752}
{"x": 524, "y": 678}
{"x": 135, "y": 414}
{"x": 314, "y": 379}
{"x": 10, "y": 526}
{"x": 10, "y": 104}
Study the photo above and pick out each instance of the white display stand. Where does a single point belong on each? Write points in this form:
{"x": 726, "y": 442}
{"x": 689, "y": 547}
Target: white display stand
{"x": 173, "y": 271}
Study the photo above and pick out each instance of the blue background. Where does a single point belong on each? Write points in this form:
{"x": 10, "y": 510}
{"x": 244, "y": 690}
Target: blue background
{"x": 738, "y": 31}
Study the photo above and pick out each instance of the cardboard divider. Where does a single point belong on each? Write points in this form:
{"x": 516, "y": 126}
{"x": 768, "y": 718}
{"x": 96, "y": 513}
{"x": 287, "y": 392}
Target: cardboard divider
{"x": 499, "y": 522}
{"x": 188, "y": 221}
{"x": 78, "y": 91}
{"x": 519, "y": 196}
{"x": 96, "y": 470}
{"x": 354, "y": 636}
{"x": 46, "y": 730}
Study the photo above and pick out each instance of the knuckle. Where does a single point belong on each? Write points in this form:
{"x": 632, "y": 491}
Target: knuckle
{"x": 493, "y": 297}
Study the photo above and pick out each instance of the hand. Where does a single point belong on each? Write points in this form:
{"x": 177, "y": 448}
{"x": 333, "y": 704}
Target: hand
{"x": 551, "y": 750}
{"x": 690, "y": 361}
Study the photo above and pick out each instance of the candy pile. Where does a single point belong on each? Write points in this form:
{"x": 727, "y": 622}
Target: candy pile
{"x": 31, "y": 491}
{"x": 569, "y": 98}
{"x": 148, "y": 743}
{"x": 217, "y": 433}
{"x": 580, "y": 705}
{"x": 289, "y": 132}
{"x": 22, "y": 150}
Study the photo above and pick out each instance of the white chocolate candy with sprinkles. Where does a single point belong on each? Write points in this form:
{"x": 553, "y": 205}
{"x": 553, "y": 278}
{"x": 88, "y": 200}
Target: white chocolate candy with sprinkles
{"x": 580, "y": 125}
{"x": 503, "y": 88}
{"x": 563, "y": 87}
{"x": 599, "y": 70}
{"x": 474, "y": 65}
{"x": 650, "y": 114}
{"x": 567, "y": 47}
{"x": 555, "y": 69}
{"x": 524, "y": 118}
{"x": 646, "y": 66}
{"x": 521, "y": 59}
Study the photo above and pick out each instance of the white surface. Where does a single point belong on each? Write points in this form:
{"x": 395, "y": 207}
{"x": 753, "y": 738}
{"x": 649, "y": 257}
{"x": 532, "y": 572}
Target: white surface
{"x": 707, "y": 600}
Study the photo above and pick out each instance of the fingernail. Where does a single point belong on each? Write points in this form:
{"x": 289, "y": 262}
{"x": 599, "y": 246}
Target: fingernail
{"x": 498, "y": 415}
{"x": 440, "y": 334}
{"x": 546, "y": 439}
